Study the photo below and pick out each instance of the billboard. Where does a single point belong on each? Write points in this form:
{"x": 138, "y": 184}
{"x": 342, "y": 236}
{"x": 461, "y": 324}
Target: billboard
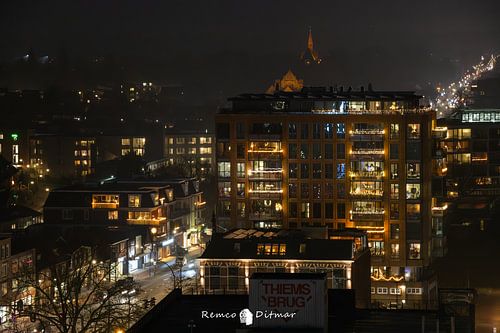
{"x": 289, "y": 300}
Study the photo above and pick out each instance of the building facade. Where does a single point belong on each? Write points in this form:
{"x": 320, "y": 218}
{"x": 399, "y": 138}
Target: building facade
{"x": 335, "y": 158}
{"x": 230, "y": 259}
{"x": 171, "y": 209}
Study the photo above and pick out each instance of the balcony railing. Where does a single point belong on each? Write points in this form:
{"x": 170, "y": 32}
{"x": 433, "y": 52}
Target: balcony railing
{"x": 366, "y": 174}
{"x": 364, "y": 153}
{"x": 265, "y": 193}
{"x": 367, "y": 135}
{"x": 375, "y": 194}
{"x": 200, "y": 204}
{"x": 368, "y": 215}
{"x": 150, "y": 221}
{"x": 265, "y": 216}
{"x": 272, "y": 174}
{"x": 108, "y": 205}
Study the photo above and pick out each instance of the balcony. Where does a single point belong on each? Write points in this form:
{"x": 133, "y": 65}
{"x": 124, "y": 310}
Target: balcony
{"x": 367, "y": 174}
{"x": 368, "y": 215}
{"x": 146, "y": 221}
{"x": 107, "y": 205}
{"x": 367, "y": 135}
{"x": 265, "y": 216}
{"x": 200, "y": 204}
{"x": 265, "y": 193}
{"x": 439, "y": 132}
{"x": 372, "y": 194}
{"x": 376, "y": 154}
{"x": 265, "y": 174}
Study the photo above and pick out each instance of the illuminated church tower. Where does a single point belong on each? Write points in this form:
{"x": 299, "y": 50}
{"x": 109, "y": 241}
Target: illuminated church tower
{"x": 310, "y": 56}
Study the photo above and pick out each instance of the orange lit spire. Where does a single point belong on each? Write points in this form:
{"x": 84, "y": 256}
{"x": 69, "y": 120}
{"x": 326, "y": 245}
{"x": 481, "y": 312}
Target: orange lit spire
{"x": 310, "y": 55}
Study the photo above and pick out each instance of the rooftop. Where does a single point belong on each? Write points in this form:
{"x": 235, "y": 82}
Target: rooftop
{"x": 257, "y": 244}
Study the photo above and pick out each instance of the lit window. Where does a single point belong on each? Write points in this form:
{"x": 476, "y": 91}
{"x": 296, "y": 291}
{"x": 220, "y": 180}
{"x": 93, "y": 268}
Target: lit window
{"x": 224, "y": 169}
{"x": 134, "y": 200}
{"x": 113, "y": 215}
{"x": 414, "y": 251}
{"x": 125, "y": 142}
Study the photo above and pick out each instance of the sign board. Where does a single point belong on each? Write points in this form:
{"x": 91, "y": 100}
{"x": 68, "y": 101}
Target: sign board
{"x": 289, "y": 300}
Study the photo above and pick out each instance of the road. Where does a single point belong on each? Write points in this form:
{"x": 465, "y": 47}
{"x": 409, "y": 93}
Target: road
{"x": 161, "y": 278}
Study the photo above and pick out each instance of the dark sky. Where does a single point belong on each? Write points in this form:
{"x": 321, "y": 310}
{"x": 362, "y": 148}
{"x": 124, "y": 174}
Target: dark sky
{"x": 226, "y": 47}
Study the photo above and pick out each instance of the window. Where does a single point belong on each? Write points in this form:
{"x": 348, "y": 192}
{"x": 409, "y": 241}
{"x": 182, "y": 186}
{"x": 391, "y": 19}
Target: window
{"x": 376, "y": 248}
{"x": 170, "y": 141}
{"x": 304, "y": 151}
{"x": 394, "y": 170}
{"x": 240, "y": 131}
{"x": 179, "y": 151}
{"x": 372, "y": 290}
{"x": 414, "y": 251}
{"x": 304, "y": 131}
{"x": 329, "y": 210}
{"x": 304, "y": 210}
{"x": 224, "y": 189}
{"x": 205, "y": 140}
{"x": 394, "y": 231}
{"x": 329, "y": 171}
{"x": 241, "y": 209}
{"x": 180, "y": 141}
{"x": 328, "y": 193}
{"x": 316, "y": 151}
{"x": 240, "y": 150}
{"x": 317, "y": 210}
{"x": 394, "y": 131}
{"x": 341, "y": 171}
{"x": 413, "y": 211}
{"x": 67, "y": 214}
{"x": 340, "y": 131}
{"x": 292, "y": 170}
{"x": 293, "y": 210}
{"x": 191, "y": 151}
{"x": 292, "y": 151}
{"x": 412, "y": 191}
{"x": 316, "y": 131}
{"x": 395, "y": 251}
{"x": 394, "y": 211}
{"x": 413, "y": 170}
{"x": 304, "y": 190}
{"x": 316, "y": 170}
{"x": 341, "y": 189}
{"x": 316, "y": 191}
{"x": 225, "y": 208}
{"x": 341, "y": 210}
{"x": 413, "y": 131}
{"x": 224, "y": 169}
{"x": 394, "y": 151}
{"x": 382, "y": 290}
{"x": 395, "y": 191}
{"x": 328, "y": 131}
{"x": 271, "y": 249}
{"x": 414, "y": 291}
{"x": 292, "y": 131}
{"x": 395, "y": 291}
{"x": 134, "y": 200}
{"x": 113, "y": 215}
{"x": 240, "y": 169}
{"x": 304, "y": 170}
{"x": 240, "y": 189}
{"x": 340, "y": 151}
{"x": 125, "y": 142}
{"x": 328, "y": 151}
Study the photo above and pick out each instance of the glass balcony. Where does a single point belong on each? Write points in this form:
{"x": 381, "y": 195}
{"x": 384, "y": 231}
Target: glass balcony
{"x": 146, "y": 221}
{"x": 264, "y": 174}
{"x": 377, "y": 154}
{"x": 367, "y": 134}
{"x": 366, "y": 174}
{"x": 367, "y": 215}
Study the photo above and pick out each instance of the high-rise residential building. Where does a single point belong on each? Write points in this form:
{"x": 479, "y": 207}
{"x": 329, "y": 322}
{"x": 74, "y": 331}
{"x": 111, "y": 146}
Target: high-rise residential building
{"x": 335, "y": 158}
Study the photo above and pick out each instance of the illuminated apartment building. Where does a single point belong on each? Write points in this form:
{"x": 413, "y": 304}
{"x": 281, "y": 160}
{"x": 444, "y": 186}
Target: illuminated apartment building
{"x": 323, "y": 157}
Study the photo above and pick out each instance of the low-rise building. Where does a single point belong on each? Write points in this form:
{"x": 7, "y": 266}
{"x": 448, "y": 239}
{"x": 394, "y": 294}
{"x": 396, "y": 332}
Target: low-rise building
{"x": 231, "y": 258}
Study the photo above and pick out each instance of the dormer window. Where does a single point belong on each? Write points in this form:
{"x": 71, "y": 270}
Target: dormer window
{"x": 271, "y": 249}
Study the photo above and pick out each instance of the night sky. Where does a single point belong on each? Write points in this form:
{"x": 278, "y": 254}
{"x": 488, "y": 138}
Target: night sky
{"x": 220, "y": 48}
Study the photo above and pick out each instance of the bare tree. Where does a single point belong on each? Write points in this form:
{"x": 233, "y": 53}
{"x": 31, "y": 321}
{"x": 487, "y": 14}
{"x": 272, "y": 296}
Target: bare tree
{"x": 76, "y": 296}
